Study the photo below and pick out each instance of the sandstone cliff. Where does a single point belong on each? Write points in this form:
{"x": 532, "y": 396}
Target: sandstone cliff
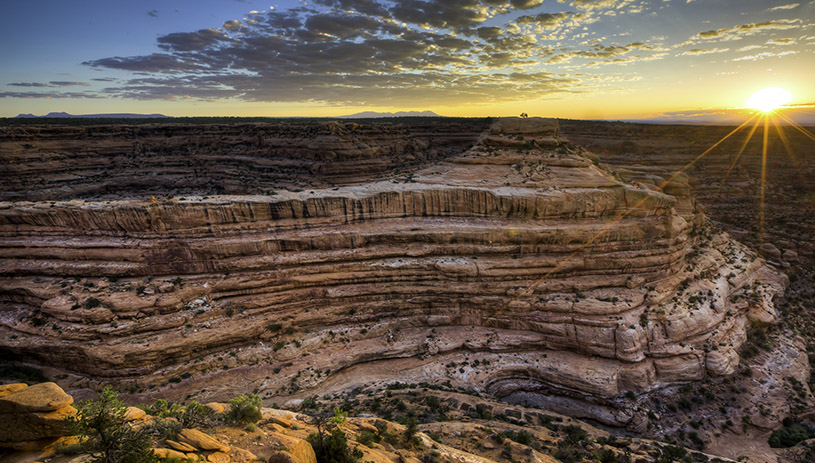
{"x": 518, "y": 267}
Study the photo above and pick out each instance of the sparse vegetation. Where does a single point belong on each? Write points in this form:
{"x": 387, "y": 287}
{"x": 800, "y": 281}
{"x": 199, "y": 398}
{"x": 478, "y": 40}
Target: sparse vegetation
{"x": 106, "y": 436}
{"x": 244, "y": 409}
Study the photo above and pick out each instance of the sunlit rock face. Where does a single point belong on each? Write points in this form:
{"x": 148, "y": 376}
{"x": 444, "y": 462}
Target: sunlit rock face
{"x": 517, "y": 267}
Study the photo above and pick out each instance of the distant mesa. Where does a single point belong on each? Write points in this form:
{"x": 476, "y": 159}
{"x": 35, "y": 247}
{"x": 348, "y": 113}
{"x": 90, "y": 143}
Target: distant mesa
{"x": 89, "y": 116}
{"x": 374, "y": 114}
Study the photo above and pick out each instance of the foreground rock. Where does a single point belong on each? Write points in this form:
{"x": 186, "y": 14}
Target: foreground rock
{"x": 33, "y": 413}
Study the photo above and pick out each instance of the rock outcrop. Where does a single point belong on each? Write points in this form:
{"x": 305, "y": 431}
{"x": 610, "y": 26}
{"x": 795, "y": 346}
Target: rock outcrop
{"x": 33, "y": 413}
{"x": 518, "y": 267}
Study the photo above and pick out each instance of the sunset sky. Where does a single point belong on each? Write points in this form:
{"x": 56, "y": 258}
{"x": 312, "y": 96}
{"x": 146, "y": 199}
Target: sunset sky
{"x": 562, "y": 58}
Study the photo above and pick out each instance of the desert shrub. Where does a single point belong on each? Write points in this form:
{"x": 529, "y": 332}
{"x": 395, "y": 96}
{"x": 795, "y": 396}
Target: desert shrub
{"x": 194, "y": 415}
{"x": 788, "y": 436}
{"x": 245, "y": 409}
{"x": 165, "y": 428}
{"x": 105, "y": 434}
{"x": 367, "y": 438}
{"x": 411, "y": 428}
{"x": 606, "y": 456}
{"x": 521, "y": 437}
{"x": 575, "y": 435}
{"x": 569, "y": 454}
{"x": 333, "y": 447}
{"x": 164, "y": 409}
{"x": 672, "y": 453}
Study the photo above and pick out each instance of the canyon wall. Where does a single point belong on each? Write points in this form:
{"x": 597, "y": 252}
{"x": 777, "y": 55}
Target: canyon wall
{"x": 121, "y": 161}
{"x": 518, "y": 267}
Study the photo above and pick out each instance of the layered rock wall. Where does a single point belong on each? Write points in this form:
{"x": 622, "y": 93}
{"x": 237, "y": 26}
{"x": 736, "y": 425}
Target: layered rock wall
{"x": 120, "y": 161}
{"x": 518, "y": 267}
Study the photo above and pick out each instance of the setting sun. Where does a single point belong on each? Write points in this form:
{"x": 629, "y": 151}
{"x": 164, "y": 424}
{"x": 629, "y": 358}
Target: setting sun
{"x": 769, "y": 99}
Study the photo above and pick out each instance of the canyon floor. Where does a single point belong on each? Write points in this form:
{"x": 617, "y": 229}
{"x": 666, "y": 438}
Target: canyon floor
{"x": 576, "y": 267}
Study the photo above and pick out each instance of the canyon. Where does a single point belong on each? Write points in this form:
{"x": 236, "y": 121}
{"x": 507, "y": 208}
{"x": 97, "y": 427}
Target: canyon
{"x": 555, "y": 264}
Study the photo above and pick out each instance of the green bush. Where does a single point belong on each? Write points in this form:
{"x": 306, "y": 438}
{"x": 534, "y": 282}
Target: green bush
{"x": 106, "y": 435}
{"x": 367, "y": 438}
{"x": 411, "y": 428}
{"x": 606, "y": 456}
{"x": 245, "y": 409}
{"x": 333, "y": 448}
{"x": 788, "y": 436}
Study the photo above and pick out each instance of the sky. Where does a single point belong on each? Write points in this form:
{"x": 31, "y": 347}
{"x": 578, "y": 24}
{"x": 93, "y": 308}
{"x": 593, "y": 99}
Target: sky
{"x": 589, "y": 59}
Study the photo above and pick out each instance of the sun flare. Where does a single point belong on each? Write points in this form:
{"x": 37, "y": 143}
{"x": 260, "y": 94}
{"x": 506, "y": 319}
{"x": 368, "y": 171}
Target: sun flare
{"x": 769, "y": 99}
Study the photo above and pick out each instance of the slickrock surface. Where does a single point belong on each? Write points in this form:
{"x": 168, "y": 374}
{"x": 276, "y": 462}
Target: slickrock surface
{"x": 518, "y": 267}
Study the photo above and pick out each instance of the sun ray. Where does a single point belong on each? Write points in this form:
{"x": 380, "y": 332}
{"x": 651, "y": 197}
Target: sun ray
{"x": 531, "y": 288}
{"x": 763, "y": 179}
{"x": 738, "y": 156}
{"x": 790, "y": 152}
{"x": 791, "y": 122}
{"x": 783, "y": 137}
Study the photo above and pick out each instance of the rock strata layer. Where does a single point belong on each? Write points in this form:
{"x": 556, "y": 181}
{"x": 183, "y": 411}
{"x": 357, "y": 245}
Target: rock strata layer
{"x": 518, "y": 267}
{"x": 119, "y": 161}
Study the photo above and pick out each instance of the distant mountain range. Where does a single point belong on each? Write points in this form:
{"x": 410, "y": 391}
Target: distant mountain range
{"x": 372, "y": 114}
{"x": 88, "y": 116}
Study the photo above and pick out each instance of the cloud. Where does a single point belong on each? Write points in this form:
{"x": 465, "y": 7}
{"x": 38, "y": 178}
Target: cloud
{"x": 232, "y": 26}
{"x": 744, "y": 30}
{"x": 593, "y": 4}
{"x": 785, "y": 7}
{"x": 49, "y": 95}
{"x": 377, "y": 52}
{"x": 157, "y": 62}
{"x": 62, "y": 83}
{"x": 703, "y": 51}
{"x": 192, "y": 41}
{"x": 786, "y": 41}
{"x": 764, "y": 55}
{"x": 547, "y": 20}
{"x": 53, "y": 83}
{"x": 28, "y": 84}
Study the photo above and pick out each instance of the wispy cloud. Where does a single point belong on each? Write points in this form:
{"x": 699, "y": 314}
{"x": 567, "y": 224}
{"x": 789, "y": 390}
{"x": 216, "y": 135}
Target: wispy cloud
{"x": 764, "y": 55}
{"x": 703, "y": 51}
{"x": 784, "y": 7}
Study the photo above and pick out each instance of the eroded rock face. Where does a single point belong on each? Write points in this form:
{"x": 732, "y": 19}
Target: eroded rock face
{"x": 115, "y": 161}
{"x": 535, "y": 273}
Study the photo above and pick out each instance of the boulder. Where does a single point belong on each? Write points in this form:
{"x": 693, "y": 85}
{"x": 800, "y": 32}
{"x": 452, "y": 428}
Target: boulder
{"x": 217, "y": 407}
{"x": 43, "y": 397}
{"x": 182, "y": 447}
{"x": 769, "y": 251}
{"x": 170, "y": 453}
{"x": 201, "y": 440}
{"x": 218, "y": 457}
{"x": 135, "y": 414}
{"x": 34, "y": 413}
{"x": 300, "y": 450}
{"x": 240, "y": 455}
